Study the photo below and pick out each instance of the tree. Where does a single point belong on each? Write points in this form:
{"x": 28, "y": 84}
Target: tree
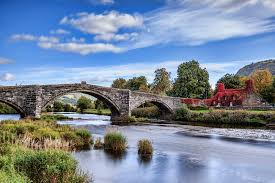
{"x": 230, "y": 81}
{"x": 58, "y": 106}
{"x": 100, "y": 105}
{"x": 83, "y": 103}
{"x": 162, "y": 82}
{"x": 268, "y": 93}
{"x": 261, "y": 79}
{"x": 68, "y": 108}
{"x": 144, "y": 88}
{"x": 136, "y": 82}
{"x": 192, "y": 81}
{"x": 119, "y": 83}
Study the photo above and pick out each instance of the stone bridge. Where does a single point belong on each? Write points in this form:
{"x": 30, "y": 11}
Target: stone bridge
{"x": 29, "y": 100}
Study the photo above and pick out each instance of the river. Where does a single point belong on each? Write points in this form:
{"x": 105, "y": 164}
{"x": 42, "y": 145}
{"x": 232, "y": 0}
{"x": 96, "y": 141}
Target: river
{"x": 181, "y": 154}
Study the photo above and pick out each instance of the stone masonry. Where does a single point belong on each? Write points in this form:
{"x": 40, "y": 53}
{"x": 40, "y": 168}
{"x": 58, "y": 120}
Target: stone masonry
{"x": 29, "y": 100}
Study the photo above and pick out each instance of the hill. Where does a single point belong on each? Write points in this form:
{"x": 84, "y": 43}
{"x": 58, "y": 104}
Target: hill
{"x": 248, "y": 69}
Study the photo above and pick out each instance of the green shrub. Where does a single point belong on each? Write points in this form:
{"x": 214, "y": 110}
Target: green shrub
{"x": 183, "y": 114}
{"x": 145, "y": 148}
{"x": 12, "y": 177}
{"x": 115, "y": 142}
{"x": 48, "y": 166}
{"x": 147, "y": 112}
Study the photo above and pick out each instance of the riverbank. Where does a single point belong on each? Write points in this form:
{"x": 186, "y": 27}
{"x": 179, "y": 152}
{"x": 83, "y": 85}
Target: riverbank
{"x": 39, "y": 151}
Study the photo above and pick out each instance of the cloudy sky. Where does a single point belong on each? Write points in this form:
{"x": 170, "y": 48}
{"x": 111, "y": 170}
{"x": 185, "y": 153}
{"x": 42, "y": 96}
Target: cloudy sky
{"x": 68, "y": 41}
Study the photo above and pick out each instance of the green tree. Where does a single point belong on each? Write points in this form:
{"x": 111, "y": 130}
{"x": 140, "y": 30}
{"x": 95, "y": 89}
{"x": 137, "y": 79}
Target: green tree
{"x": 58, "y": 106}
{"x": 100, "y": 105}
{"x": 230, "y": 81}
{"x": 268, "y": 92}
{"x": 162, "y": 82}
{"x": 136, "y": 82}
{"x": 192, "y": 81}
{"x": 68, "y": 108}
{"x": 83, "y": 103}
{"x": 119, "y": 83}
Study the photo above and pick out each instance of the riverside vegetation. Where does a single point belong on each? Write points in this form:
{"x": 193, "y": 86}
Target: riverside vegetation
{"x": 39, "y": 151}
{"x": 225, "y": 118}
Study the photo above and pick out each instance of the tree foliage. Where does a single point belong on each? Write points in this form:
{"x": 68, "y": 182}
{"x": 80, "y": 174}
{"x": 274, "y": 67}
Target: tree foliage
{"x": 261, "y": 79}
{"x": 136, "y": 82}
{"x": 268, "y": 92}
{"x": 100, "y": 105}
{"x": 58, "y": 106}
{"x": 83, "y": 103}
{"x": 119, "y": 83}
{"x": 162, "y": 82}
{"x": 192, "y": 81}
{"x": 231, "y": 81}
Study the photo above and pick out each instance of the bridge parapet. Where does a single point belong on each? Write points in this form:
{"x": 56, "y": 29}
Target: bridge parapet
{"x": 29, "y": 100}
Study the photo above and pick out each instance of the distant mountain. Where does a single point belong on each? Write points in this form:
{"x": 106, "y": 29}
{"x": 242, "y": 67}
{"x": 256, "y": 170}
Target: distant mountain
{"x": 248, "y": 69}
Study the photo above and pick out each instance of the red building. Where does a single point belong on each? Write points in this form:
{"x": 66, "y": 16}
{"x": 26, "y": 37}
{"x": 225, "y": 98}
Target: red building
{"x": 229, "y": 97}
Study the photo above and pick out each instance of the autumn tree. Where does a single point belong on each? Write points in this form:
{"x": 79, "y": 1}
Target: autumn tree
{"x": 162, "y": 82}
{"x": 192, "y": 81}
{"x": 119, "y": 83}
{"x": 261, "y": 79}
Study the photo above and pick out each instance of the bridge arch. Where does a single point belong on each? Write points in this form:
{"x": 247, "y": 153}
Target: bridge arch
{"x": 16, "y": 107}
{"x": 111, "y": 105}
{"x": 163, "y": 107}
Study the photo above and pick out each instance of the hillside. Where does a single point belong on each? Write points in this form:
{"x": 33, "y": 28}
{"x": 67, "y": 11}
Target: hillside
{"x": 248, "y": 69}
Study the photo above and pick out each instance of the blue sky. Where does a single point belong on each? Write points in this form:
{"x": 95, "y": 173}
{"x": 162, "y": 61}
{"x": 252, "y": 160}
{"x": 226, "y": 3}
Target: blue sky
{"x": 68, "y": 41}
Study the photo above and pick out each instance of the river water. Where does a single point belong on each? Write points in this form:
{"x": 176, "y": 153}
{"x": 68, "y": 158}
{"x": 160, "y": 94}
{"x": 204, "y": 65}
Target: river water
{"x": 181, "y": 154}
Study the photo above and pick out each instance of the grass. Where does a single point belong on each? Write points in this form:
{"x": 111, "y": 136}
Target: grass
{"x": 98, "y": 144}
{"x": 38, "y": 151}
{"x": 115, "y": 142}
{"x": 21, "y": 164}
{"x": 145, "y": 148}
{"x": 43, "y": 134}
{"x": 57, "y": 117}
{"x": 106, "y": 112}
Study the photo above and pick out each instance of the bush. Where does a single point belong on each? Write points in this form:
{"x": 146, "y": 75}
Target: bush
{"x": 183, "y": 114}
{"x": 115, "y": 142}
{"x": 7, "y": 177}
{"x": 147, "y": 112}
{"x": 145, "y": 148}
{"x": 48, "y": 166}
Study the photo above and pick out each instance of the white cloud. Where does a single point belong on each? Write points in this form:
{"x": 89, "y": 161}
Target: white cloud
{"x": 116, "y": 37}
{"x": 7, "y": 77}
{"x": 5, "y": 61}
{"x": 29, "y": 37}
{"x": 59, "y": 31}
{"x": 81, "y": 48}
{"x": 194, "y": 22}
{"x": 74, "y": 45}
{"x": 106, "y": 23}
